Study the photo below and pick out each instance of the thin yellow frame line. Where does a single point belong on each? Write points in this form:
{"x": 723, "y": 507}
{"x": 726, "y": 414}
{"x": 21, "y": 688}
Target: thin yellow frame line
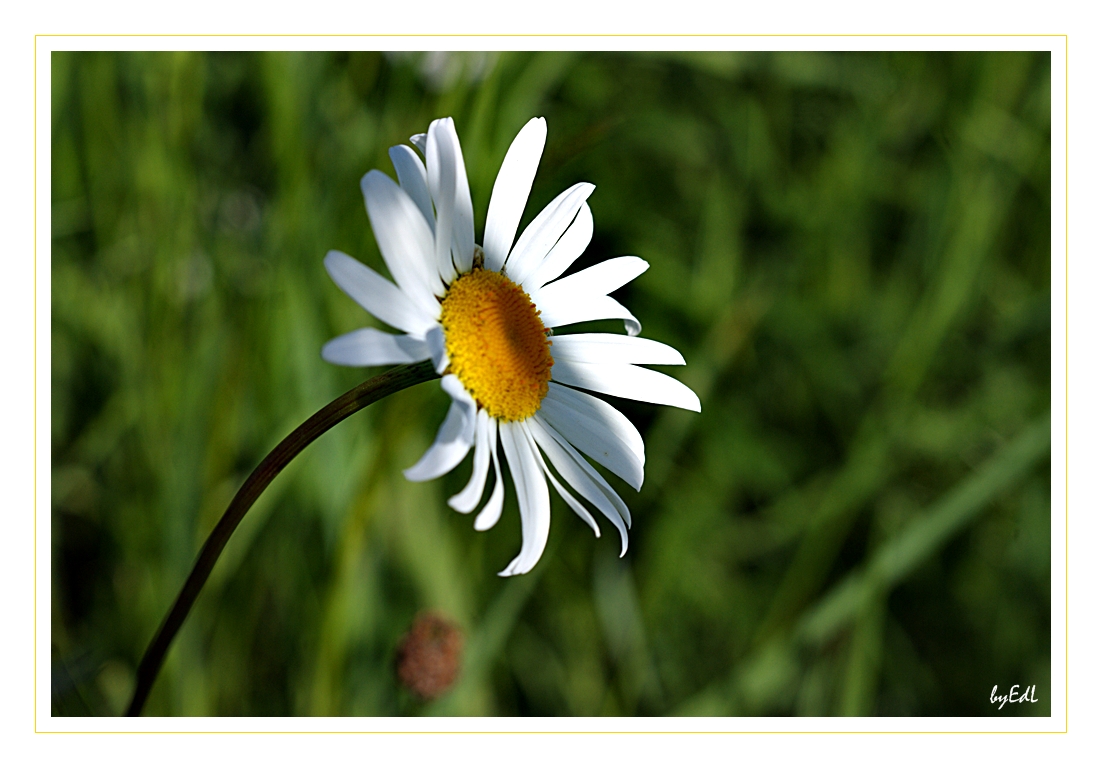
{"x": 569, "y": 733}
{"x": 1067, "y": 269}
{"x": 34, "y": 375}
{"x": 545, "y": 34}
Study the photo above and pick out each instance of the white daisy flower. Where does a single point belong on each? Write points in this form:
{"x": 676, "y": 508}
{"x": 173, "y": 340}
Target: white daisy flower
{"x": 484, "y": 316}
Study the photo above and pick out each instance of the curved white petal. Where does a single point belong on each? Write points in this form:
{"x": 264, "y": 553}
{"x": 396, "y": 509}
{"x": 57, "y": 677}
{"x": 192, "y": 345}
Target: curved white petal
{"x": 627, "y": 381}
{"x": 412, "y": 178}
{"x": 438, "y": 351}
{"x": 511, "y": 190}
{"x": 440, "y": 156}
{"x": 454, "y": 438}
{"x": 370, "y": 346}
{"x": 532, "y": 495}
{"x": 467, "y": 499}
{"x": 591, "y": 410}
{"x": 540, "y": 236}
{"x": 404, "y": 239}
{"x": 377, "y": 295}
{"x": 463, "y": 215}
{"x": 583, "y": 478}
{"x": 570, "y": 246}
{"x": 596, "y": 429}
{"x": 566, "y": 309}
{"x": 449, "y": 156}
{"x": 574, "y": 504}
{"x": 454, "y": 387}
{"x": 613, "y": 348}
{"x": 419, "y": 140}
{"x": 600, "y": 279}
{"x": 491, "y": 513}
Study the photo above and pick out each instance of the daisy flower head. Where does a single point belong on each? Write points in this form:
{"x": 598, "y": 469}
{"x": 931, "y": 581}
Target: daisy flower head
{"x": 485, "y": 316}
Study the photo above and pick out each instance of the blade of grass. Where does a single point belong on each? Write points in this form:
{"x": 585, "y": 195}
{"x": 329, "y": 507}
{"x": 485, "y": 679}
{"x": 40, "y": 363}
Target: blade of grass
{"x": 894, "y": 561}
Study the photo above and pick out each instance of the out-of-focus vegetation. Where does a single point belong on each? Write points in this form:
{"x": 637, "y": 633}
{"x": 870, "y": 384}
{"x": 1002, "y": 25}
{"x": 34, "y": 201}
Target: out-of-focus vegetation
{"x": 850, "y": 249}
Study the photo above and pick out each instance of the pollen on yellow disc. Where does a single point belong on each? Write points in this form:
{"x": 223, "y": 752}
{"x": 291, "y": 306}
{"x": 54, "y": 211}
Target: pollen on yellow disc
{"x": 496, "y": 344}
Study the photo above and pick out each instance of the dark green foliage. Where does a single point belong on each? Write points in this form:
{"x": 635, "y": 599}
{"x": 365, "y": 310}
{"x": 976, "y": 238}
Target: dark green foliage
{"x": 850, "y": 249}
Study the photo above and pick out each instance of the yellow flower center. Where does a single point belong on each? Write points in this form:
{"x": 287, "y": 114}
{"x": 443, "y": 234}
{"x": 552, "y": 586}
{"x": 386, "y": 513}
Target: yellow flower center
{"x": 496, "y": 344}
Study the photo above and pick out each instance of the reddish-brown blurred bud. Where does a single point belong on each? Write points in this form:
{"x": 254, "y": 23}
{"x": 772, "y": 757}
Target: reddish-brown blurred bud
{"x": 429, "y": 655}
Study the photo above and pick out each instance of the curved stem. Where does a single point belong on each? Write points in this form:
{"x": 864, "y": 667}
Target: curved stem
{"x": 337, "y": 411}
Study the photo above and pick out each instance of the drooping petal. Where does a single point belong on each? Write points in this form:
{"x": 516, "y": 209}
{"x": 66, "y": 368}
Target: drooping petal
{"x": 449, "y": 448}
{"x": 581, "y": 477}
{"x": 627, "y": 381}
{"x": 491, "y": 513}
{"x": 370, "y": 346}
{"x": 412, "y": 178}
{"x": 541, "y": 235}
{"x": 453, "y": 440}
{"x": 511, "y": 190}
{"x": 594, "y": 476}
{"x": 596, "y": 429}
{"x": 467, "y": 499}
{"x": 533, "y": 498}
{"x": 570, "y": 246}
{"x": 419, "y": 140}
{"x": 454, "y": 387}
{"x": 438, "y": 351}
{"x": 404, "y": 239}
{"x": 613, "y": 348}
{"x": 566, "y": 309}
{"x": 574, "y": 504}
{"x": 590, "y": 410}
{"x": 377, "y": 295}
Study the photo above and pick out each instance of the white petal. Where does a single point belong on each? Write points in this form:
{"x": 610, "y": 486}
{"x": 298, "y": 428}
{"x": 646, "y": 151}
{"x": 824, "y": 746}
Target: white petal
{"x": 575, "y": 505}
{"x": 463, "y": 216}
{"x": 404, "y": 239}
{"x": 454, "y": 438}
{"x": 613, "y": 348}
{"x": 449, "y": 448}
{"x": 447, "y": 182}
{"x": 544, "y": 231}
{"x": 511, "y": 190}
{"x": 419, "y": 140}
{"x": 588, "y": 409}
{"x": 566, "y": 309}
{"x": 535, "y": 503}
{"x": 440, "y": 156}
{"x": 600, "y": 279}
{"x": 438, "y": 351}
{"x": 377, "y": 295}
{"x": 566, "y": 251}
{"x": 454, "y": 387}
{"x": 597, "y": 430}
{"x": 491, "y": 513}
{"x": 581, "y": 296}
{"x": 369, "y": 346}
{"x": 583, "y": 478}
{"x": 627, "y": 381}
{"x": 468, "y": 498}
{"x": 411, "y": 175}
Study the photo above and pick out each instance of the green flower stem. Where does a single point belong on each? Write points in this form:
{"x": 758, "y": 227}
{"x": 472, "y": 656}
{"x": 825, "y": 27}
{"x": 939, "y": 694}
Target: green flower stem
{"x": 337, "y": 411}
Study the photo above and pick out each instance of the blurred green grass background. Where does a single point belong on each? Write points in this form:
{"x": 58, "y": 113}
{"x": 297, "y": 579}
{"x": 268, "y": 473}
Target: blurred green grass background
{"x": 851, "y": 250}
